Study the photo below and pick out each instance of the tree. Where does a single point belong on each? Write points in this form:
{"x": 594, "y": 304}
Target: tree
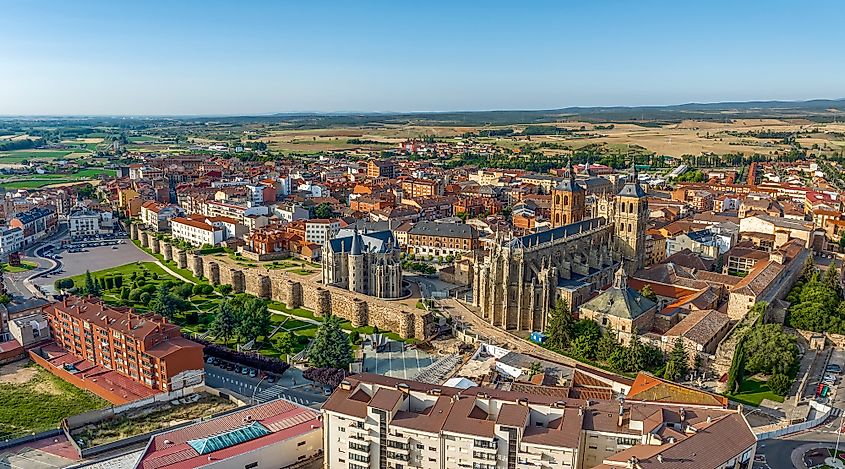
{"x": 118, "y": 281}
{"x": 5, "y": 299}
{"x": 225, "y": 322}
{"x": 737, "y": 369}
{"x": 678, "y": 365}
{"x": 330, "y": 347}
{"x": 605, "y": 346}
{"x": 535, "y": 368}
{"x": 561, "y": 326}
{"x": 165, "y": 303}
{"x": 255, "y": 319}
{"x": 780, "y": 383}
{"x": 91, "y": 287}
{"x": 286, "y": 343}
{"x": 324, "y": 210}
{"x": 648, "y": 293}
{"x": 770, "y": 350}
{"x": 583, "y": 347}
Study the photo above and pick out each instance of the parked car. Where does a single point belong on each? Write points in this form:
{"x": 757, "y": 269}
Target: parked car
{"x": 271, "y": 379}
{"x": 244, "y": 370}
{"x": 830, "y": 379}
{"x": 252, "y": 373}
{"x": 833, "y": 368}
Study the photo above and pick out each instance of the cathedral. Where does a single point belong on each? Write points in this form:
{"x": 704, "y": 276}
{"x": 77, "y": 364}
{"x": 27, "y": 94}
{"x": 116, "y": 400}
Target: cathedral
{"x": 519, "y": 280}
{"x": 366, "y": 263}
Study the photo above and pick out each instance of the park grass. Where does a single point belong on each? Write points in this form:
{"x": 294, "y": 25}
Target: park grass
{"x": 25, "y": 265}
{"x": 158, "y": 274}
{"x": 753, "y": 392}
{"x": 41, "y": 403}
{"x": 170, "y": 264}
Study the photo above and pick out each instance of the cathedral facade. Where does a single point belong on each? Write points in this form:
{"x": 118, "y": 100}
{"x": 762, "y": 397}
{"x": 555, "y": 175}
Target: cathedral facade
{"x": 517, "y": 283}
{"x": 367, "y": 263}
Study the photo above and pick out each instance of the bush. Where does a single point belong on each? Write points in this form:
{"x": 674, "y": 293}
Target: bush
{"x": 191, "y": 318}
{"x": 135, "y": 295}
{"x": 354, "y": 337}
{"x": 197, "y": 289}
{"x": 185, "y": 290}
{"x": 326, "y": 376}
{"x": 252, "y": 359}
{"x": 224, "y": 289}
{"x": 145, "y": 298}
{"x": 779, "y": 384}
{"x": 207, "y": 289}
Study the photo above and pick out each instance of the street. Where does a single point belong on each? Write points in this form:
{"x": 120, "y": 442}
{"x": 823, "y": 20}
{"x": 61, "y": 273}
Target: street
{"x": 291, "y": 386}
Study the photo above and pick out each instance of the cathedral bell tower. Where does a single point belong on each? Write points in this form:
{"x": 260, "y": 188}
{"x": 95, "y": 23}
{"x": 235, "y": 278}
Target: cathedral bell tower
{"x": 630, "y": 219}
{"x": 568, "y": 201}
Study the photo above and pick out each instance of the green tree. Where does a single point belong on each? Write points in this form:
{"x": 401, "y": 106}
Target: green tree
{"x": 165, "y": 303}
{"x": 605, "y": 346}
{"x": 330, "y": 347}
{"x": 5, "y": 299}
{"x": 770, "y": 350}
{"x": 780, "y": 383}
{"x": 225, "y": 323}
{"x": 736, "y": 372}
{"x": 678, "y": 365}
{"x": 286, "y": 343}
{"x": 648, "y": 293}
{"x": 561, "y": 326}
{"x": 91, "y": 287}
{"x": 255, "y": 319}
{"x": 583, "y": 347}
{"x": 324, "y": 210}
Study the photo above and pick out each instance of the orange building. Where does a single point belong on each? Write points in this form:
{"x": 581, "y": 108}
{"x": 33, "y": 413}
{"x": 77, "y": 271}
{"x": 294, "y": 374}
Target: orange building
{"x": 145, "y": 348}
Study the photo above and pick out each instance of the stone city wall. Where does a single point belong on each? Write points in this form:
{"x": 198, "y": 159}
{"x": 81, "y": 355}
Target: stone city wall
{"x": 296, "y": 291}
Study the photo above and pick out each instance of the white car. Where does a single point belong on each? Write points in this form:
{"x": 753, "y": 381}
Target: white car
{"x": 830, "y": 379}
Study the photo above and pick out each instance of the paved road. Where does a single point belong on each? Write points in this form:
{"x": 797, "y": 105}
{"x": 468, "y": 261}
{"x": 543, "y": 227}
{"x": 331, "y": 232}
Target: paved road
{"x": 291, "y": 386}
{"x": 16, "y": 282}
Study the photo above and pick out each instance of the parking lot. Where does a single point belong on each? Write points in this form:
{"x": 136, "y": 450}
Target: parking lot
{"x": 94, "y": 259}
{"x": 290, "y": 385}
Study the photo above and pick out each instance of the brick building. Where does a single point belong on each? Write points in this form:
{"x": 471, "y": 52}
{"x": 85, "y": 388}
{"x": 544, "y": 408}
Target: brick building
{"x": 144, "y": 348}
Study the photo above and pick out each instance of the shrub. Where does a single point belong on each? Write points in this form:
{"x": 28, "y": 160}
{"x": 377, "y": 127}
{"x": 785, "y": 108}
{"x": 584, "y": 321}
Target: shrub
{"x": 135, "y": 295}
{"x": 207, "y": 289}
{"x": 197, "y": 289}
{"x": 224, "y": 289}
{"x": 145, "y": 298}
{"x": 326, "y": 376}
{"x": 252, "y": 359}
{"x": 779, "y": 384}
{"x": 191, "y": 317}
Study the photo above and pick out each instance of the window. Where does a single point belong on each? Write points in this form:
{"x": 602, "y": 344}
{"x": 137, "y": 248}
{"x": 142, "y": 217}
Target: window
{"x": 301, "y": 443}
{"x": 251, "y": 465}
{"x": 419, "y": 446}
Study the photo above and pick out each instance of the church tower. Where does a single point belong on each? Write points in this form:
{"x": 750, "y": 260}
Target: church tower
{"x": 630, "y": 219}
{"x": 568, "y": 201}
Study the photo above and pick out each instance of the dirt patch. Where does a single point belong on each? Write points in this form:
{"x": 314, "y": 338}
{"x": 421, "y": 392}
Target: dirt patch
{"x": 47, "y": 387}
{"x": 17, "y": 372}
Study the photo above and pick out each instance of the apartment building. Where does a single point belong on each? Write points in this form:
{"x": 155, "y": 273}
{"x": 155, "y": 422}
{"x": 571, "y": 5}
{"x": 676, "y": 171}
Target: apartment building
{"x": 84, "y": 222}
{"x": 196, "y": 232}
{"x": 157, "y": 216}
{"x": 374, "y": 421}
{"x": 144, "y": 348}
{"x": 11, "y": 240}
{"x": 320, "y": 230}
{"x": 382, "y": 169}
{"x": 442, "y": 239}
{"x": 36, "y": 223}
{"x": 413, "y": 187}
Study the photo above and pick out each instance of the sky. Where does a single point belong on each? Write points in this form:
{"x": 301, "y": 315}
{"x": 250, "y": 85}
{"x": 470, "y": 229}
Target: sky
{"x": 254, "y": 57}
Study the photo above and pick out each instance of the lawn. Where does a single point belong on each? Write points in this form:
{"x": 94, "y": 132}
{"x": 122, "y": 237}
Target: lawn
{"x": 188, "y": 274}
{"x": 25, "y": 265}
{"x": 34, "y": 401}
{"x": 126, "y": 270}
{"x": 753, "y": 391}
{"x": 36, "y": 181}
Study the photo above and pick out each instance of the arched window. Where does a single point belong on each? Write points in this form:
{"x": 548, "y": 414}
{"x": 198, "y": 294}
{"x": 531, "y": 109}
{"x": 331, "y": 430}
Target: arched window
{"x": 630, "y": 207}
{"x": 629, "y": 227}
{"x": 566, "y": 200}
{"x": 557, "y": 199}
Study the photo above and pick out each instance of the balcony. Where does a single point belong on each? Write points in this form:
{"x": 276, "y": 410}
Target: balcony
{"x": 362, "y": 448}
{"x": 397, "y": 457}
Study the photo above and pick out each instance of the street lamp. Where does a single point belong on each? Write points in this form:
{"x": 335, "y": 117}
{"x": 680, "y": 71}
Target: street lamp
{"x": 256, "y": 388}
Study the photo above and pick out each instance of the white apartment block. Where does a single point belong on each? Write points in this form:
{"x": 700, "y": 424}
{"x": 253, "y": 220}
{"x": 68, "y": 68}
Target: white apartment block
{"x": 11, "y": 240}
{"x": 320, "y": 230}
{"x": 84, "y": 222}
{"x": 196, "y": 232}
{"x": 377, "y": 422}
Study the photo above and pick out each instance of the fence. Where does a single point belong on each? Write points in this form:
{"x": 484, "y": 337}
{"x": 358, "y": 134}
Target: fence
{"x": 798, "y": 427}
{"x": 29, "y": 438}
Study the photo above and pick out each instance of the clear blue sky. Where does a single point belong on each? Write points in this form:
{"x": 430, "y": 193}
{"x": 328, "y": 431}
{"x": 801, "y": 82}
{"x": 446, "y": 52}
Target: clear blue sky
{"x": 242, "y": 57}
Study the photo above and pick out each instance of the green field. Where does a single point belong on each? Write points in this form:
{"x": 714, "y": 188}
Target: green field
{"x": 126, "y": 270}
{"x": 36, "y": 181}
{"x": 16, "y": 156}
{"x": 34, "y": 401}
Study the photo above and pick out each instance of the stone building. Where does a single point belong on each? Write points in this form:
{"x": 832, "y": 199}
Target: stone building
{"x": 620, "y": 309}
{"x": 365, "y": 263}
{"x": 517, "y": 282}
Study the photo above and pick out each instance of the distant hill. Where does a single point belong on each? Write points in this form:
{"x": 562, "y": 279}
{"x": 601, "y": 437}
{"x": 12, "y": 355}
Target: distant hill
{"x": 818, "y": 110}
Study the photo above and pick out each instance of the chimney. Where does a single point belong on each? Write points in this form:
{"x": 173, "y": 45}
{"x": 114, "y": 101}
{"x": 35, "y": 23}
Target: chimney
{"x": 683, "y": 414}
{"x": 660, "y": 458}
